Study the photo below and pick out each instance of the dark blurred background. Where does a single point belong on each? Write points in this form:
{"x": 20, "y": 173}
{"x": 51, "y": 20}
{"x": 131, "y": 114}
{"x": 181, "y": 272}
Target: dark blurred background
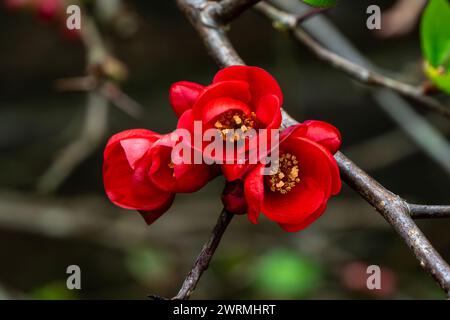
{"x": 43, "y": 232}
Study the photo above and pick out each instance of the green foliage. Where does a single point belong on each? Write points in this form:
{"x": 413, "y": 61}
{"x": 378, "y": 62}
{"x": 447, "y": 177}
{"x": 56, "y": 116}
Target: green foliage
{"x": 435, "y": 38}
{"x": 321, "y": 3}
{"x": 53, "y": 291}
{"x": 147, "y": 265}
{"x": 282, "y": 273}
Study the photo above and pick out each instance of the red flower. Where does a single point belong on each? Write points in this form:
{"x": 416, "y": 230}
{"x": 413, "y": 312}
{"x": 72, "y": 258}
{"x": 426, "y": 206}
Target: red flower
{"x": 297, "y": 194}
{"x": 240, "y": 97}
{"x": 47, "y": 10}
{"x": 125, "y": 171}
{"x": 138, "y": 173}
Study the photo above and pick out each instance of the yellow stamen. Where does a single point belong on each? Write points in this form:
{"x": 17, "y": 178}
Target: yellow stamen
{"x": 287, "y": 176}
{"x": 235, "y": 120}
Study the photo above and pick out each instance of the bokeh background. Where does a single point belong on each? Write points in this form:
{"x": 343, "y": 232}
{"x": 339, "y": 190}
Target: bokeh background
{"x": 43, "y": 231}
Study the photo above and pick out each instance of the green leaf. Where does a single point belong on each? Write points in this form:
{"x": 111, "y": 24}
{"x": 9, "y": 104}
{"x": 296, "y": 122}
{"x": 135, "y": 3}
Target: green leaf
{"x": 435, "y": 32}
{"x": 285, "y": 274}
{"x": 321, "y": 3}
{"x": 435, "y": 39}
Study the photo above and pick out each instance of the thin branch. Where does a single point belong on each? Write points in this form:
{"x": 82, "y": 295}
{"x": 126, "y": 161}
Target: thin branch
{"x": 416, "y": 127}
{"x": 394, "y": 209}
{"x": 419, "y": 211}
{"x": 214, "y": 38}
{"x": 227, "y": 10}
{"x": 309, "y": 14}
{"x": 362, "y": 74}
{"x": 108, "y": 89}
{"x": 397, "y": 213}
{"x": 205, "y": 256}
{"x": 92, "y": 134}
{"x": 100, "y": 90}
{"x": 114, "y": 94}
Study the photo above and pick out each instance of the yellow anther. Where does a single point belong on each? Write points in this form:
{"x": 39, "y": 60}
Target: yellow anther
{"x": 287, "y": 175}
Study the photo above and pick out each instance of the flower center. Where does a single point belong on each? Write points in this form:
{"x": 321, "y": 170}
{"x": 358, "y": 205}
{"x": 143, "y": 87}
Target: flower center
{"x": 233, "y": 121}
{"x": 287, "y": 175}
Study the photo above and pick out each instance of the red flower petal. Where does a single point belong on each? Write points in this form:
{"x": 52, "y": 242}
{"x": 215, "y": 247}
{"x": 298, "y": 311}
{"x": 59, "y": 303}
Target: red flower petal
{"x": 125, "y": 173}
{"x": 195, "y": 177}
{"x": 237, "y": 90}
{"x": 254, "y": 192}
{"x": 152, "y": 216}
{"x": 216, "y": 107}
{"x": 186, "y": 121}
{"x": 268, "y": 111}
{"x": 233, "y": 172}
{"x": 135, "y": 149}
{"x": 179, "y": 177}
{"x": 292, "y": 208}
{"x": 183, "y": 94}
{"x": 260, "y": 81}
{"x": 308, "y": 220}
{"x": 130, "y": 134}
{"x": 324, "y": 134}
{"x": 321, "y": 132}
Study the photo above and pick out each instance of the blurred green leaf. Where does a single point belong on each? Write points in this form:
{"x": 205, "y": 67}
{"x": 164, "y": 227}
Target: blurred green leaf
{"x": 53, "y": 291}
{"x": 147, "y": 264}
{"x": 435, "y": 39}
{"x": 283, "y": 273}
{"x": 321, "y": 3}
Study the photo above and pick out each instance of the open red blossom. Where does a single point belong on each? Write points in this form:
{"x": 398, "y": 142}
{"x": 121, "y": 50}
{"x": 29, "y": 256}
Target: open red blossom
{"x": 240, "y": 98}
{"x": 138, "y": 173}
{"x": 125, "y": 174}
{"x": 297, "y": 193}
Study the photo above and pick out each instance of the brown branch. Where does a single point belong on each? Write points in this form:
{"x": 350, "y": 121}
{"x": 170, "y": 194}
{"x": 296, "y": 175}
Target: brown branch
{"x": 214, "y": 38}
{"x": 395, "y": 210}
{"x": 121, "y": 100}
{"x": 309, "y": 14}
{"x": 91, "y": 135}
{"x": 420, "y": 211}
{"x": 100, "y": 90}
{"x": 227, "y": 10}
{"x": 108, "y": 89}
{"x": 205, "y": 256}
{"x": 362, "y": 74}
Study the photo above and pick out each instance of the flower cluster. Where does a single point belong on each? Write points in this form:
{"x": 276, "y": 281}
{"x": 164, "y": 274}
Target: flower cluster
{"x": 141, "y": 171}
